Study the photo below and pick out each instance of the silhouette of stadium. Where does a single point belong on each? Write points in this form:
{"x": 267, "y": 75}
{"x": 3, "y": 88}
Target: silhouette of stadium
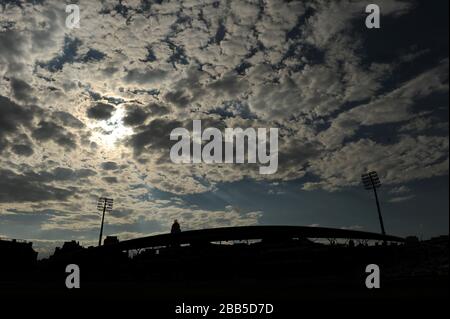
{"x": 249, "y": 233}
{"x": 253, "y": 261}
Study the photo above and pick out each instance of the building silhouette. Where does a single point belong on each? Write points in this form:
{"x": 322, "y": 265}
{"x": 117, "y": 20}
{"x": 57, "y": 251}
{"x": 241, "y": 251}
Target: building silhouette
{"x": 17, "y": 254}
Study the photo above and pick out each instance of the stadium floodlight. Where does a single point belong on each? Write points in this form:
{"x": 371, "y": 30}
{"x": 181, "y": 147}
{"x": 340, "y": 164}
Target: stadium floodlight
{"x": 371, "y": 181}
{"x": 104, "y": 204}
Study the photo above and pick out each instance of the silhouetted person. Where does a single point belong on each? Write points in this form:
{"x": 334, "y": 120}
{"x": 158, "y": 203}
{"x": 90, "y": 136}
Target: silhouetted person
{"x": 176, "y": 227}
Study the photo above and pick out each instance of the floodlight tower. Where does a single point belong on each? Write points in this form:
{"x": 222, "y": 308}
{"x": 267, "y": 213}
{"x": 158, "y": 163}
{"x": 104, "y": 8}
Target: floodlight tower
{"x": 372, "y": 181}
{"x": 104, "y": 204}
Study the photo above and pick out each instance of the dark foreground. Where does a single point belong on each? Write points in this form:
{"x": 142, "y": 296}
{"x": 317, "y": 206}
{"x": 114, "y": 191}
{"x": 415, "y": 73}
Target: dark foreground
{"x": 287, "y": 275}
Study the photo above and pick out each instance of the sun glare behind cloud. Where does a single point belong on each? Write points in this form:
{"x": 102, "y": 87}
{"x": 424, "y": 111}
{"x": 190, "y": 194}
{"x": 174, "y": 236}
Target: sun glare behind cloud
{"x": 108, "y": 133}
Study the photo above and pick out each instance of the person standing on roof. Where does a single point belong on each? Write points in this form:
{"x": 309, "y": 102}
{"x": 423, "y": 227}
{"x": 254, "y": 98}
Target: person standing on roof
{"x": 176, "y": 227}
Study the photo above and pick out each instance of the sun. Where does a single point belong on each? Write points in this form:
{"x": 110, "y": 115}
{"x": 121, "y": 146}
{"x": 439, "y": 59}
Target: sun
{"x": 110, "y": 133}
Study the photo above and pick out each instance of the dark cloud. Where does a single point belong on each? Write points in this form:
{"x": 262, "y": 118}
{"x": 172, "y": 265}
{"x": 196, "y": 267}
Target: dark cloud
{"x": 152, "y": 92}
{"x": 99, "y": 97}
{"x": 110, "y": 179}
{"x": 187, "y": 90}
{"x": 28, "y": 217}
{"x": 24, "y": 188}
{"x": 230, "y": 85}
{"x": 136, "y": 115}
{"x": 120, "y": 213}
{"x": 233, "y": 109}
{"x": 22, "y": 150}
{"x": 68, "y": 119}
{"x": 12, "y": 117}
{"x": 109, "y": 166}
{"x": 158, "y": 110}
{"x": 11, "y": 49}
{"x": 298, "y": 154}
{"x": 101, "y": 111}
{"x": 64, "y": 174}
{"x": 58, "y": 174}
{"x": 109, "y": 71}
{"x": 48, "y": 131}
{"x": 154, "y": 135}
{"x": 22, "y": 91}
{"x": 179, "y": 98}
{"x": 145, "y": 76}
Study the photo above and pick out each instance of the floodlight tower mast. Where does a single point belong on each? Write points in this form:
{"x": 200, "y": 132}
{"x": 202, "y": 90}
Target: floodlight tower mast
{"x": 104, "y": 204}
{"x": 371, "y": 181}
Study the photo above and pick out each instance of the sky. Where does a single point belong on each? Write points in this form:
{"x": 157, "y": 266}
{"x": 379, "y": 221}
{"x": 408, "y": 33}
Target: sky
{"x": 87, "y": 112}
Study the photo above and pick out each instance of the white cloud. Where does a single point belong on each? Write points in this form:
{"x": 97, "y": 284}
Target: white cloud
{"x": 306, "y": 75}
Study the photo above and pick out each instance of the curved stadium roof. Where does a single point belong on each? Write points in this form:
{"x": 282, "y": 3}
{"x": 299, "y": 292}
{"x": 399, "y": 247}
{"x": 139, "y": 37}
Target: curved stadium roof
{"x": 250, "y": 233}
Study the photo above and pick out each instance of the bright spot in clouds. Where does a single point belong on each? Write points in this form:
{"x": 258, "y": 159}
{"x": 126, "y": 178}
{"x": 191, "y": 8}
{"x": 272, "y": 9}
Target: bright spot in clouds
{"x": 108, "y": 133}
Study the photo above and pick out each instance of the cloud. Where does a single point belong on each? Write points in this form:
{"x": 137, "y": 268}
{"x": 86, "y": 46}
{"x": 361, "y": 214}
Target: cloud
{"x": 400, "y": 190}
{"x": 114, "y": 93}
{"x": 12, "y": 117}
{"x": 22, "y": 150}
{"x": 401, "y": 199}
{"x": 22, "y": 91}
{"x": 145, "y": 76}
{"x": 101, "y": 111}
{"x": 179, "y": 98}
{"x": 411, "y": 158}
{"x": 48, "y": 131}
{"x": 153, "y": 136}
{"x": 335, "y": 18}
{"x": 109, "y": 166}
{"x": 12, "y": 46}
{"x": 394, "y": 107}
{"x": 136, "y": 115}
{"x": 25, "y": 188}
{"x": 110, "y": 179}
{"x": 68, "y": 119}
{"x": 65, "y": 174}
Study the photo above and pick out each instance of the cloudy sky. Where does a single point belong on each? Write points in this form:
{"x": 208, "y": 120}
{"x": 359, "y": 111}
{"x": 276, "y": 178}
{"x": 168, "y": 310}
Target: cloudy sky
{"x": 87, "y": 112}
